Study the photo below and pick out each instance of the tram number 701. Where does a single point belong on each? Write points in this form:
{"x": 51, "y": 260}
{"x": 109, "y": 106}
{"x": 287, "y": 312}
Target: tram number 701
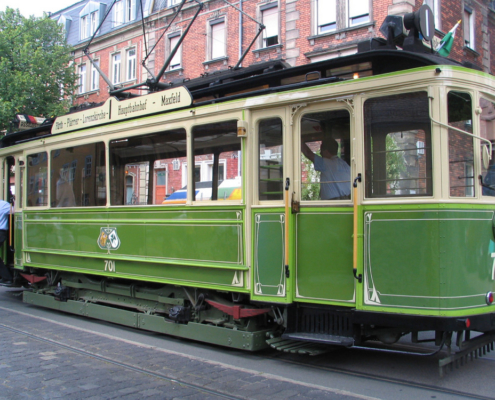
{"x": 110, "y": 265}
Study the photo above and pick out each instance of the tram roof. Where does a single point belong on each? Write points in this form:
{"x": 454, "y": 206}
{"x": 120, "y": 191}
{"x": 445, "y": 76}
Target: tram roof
{"x": 277, "y": 75}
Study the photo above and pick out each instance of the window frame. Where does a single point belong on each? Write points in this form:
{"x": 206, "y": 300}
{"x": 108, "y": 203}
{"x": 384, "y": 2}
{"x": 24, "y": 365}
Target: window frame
{"x": 469, "y": 28}
{"x": 131, "y": 64}
{"x": 426, "y": 145}
{"x": 172, "y": 39}
{"x": 343, "y": 19}
{"x": 47, "y": 178}
{"x": 349, "y": 20}
{"x": 473, "y": 143}
{"x": 84, "y": 27}
{"x": 81, "y": 71}
{"x": 95, "y": 76}
{"x": 116, "y": 67}
{"x": 436, "y": 7}
{"x": 118, "y": 13}
{"x": 263, "y": 37}
{"x": 94, "y": 22}
{"x": 212, "y": 48}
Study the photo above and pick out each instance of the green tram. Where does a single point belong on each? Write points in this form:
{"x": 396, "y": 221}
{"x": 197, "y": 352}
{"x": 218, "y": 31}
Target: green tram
{"x": 248, "y": 249}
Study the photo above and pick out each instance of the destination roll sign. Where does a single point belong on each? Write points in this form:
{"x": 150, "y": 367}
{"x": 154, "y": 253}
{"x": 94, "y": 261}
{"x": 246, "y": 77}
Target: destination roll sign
{"x": 114, "y": 110}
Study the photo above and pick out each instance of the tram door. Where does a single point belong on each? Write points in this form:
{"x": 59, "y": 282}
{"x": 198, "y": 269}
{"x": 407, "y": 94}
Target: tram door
{"x": 324, "y": 221}
{"x": 9, "y": 195}
{"x": 268, "y": 214}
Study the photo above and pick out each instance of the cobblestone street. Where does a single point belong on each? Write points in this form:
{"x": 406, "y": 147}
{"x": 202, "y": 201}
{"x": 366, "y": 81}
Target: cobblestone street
{"x": 44, "y": 360}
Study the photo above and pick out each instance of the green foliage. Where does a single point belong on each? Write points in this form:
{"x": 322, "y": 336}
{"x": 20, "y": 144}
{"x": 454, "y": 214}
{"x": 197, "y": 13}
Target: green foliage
{"x": 396, "y": 163}
{"x": 36, "y": 76}
{"x": 310, "y": 190}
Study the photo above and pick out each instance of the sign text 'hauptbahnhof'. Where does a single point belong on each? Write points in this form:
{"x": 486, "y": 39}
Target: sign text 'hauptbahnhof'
{"x": 114, "y": 110}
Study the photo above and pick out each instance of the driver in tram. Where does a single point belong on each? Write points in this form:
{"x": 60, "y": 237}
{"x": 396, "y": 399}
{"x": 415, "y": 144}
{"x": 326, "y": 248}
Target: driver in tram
{"x": 335, "y": 172}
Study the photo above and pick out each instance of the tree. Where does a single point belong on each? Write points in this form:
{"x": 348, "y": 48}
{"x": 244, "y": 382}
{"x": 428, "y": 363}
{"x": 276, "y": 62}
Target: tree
{"x": 36, "y": 75}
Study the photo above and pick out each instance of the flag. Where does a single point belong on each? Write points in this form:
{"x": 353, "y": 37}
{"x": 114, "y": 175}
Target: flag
{"x": 446, "y": 43}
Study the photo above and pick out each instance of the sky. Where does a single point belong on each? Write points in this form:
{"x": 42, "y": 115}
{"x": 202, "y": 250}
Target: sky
{"x": 36, "y": 7}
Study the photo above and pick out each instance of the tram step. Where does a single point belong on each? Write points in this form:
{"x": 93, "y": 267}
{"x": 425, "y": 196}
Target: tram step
{"x": 322, "y": 338}
{"x": 296, "y": 346}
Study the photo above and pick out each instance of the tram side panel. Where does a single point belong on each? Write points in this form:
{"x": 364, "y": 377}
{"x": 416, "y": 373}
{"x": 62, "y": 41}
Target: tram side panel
{"x": 200, "y": 248}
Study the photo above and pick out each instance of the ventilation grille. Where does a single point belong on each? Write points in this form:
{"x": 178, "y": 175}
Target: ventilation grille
{"x": 324, "y": 322}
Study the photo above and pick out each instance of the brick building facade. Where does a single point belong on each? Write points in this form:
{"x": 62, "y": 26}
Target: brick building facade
{"x": 297, "y": 31}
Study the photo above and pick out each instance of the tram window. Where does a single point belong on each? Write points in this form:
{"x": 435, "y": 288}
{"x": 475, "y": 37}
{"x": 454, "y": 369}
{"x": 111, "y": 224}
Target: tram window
{"x": 147, "y": 169}
{"x": 10, "y": 189}
{"x": 37, "y": 174}
{"x": 461, "y": 147}
{"x": 270, "y": 159}
{"x": 217, "y": 162}
{"x": 78, "y": 176}
{"x": 398, "y": 146}
{"x": 487, "y": 131}
{"x": 325, "y": 145}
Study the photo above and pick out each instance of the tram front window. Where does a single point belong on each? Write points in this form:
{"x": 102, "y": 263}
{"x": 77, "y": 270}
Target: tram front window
{"x": 461, "y": 148}
{"x": 487, "y": 131}
{"x": 325, "y": 164}
{"x": 37, "y": 174}
{"x": 217, "y": 159}
{"x": 398, "y": 146}
{"x": 147, "y": 169}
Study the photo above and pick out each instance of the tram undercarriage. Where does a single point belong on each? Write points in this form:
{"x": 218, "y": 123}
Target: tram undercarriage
{"x": 229, "y": 319}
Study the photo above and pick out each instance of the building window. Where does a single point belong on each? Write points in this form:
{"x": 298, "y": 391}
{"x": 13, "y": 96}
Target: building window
{"x": 94, "y": 23}
{"x": 175, "y": 63}
{"x": 118, "y": 13}
{"x": 95, "y": 76}
{"x": 269, "y": 18}
{"x": 84, "y": 27}
{"x": 469, "y": 28}
{"x": 82, "y": 78}
{"x": 116, "y": 68}
{"x": 131, "y": 64}
{"x": 359, "y": 12}
{"x": 172, "y": 3}
{"x": 435, "y": 7}
{"x": 217, "y": 39}
{"x": 88, "y": 165}
{"x": 130, "y": 10}
{"x": 326, "y": 16}
{"x": 334, "y": 15}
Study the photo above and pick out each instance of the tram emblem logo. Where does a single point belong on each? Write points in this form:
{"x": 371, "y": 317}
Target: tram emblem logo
{"x": 108, "y": 240}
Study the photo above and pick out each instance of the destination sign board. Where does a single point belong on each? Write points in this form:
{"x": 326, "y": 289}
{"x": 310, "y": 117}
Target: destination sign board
{"x": 114, "y": 110}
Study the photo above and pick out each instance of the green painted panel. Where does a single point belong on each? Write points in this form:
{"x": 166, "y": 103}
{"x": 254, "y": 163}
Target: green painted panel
{"x": 401, "y": 259}
{"x": 324, "y": 256}
{"x": 269, "y": 276}
{"x": 129, "y": 269}
{"x": 467, "y": 266}
{"x": 436, "y": 260}
{"x": 213, "y": 236}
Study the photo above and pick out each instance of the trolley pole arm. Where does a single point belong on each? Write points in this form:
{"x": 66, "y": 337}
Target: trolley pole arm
{"x": 287, "y": 214}
{"x": 179, "y": 42}
{"x": 355, "y": 230}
